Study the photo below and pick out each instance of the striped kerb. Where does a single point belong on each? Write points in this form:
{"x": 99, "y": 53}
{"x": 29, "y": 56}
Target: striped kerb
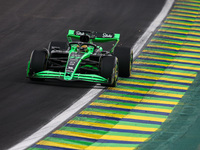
{"x": 125, "y": 116}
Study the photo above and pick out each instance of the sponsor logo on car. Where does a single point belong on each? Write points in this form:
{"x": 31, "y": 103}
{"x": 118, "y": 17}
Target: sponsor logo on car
{"x": 79, "y": 33}
{"x": 106, "y": 35}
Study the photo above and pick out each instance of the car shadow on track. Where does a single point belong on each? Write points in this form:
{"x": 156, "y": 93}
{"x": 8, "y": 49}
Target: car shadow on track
{"x": 71, "y": 84}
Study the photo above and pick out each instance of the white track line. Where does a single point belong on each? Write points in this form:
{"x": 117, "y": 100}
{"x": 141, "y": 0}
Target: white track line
{"x": 61, "y": 118}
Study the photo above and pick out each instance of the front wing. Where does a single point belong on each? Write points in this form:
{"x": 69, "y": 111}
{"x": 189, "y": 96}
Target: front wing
{"x": 77, "y": 76}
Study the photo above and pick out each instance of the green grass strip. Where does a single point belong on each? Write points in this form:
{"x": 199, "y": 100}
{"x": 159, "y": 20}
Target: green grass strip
{"x": 138, "y": 80}
{"x": 164, "y": 51}
{"x": 195, "y": 8}
{"x": 82, "y": 130}
{"x": 181, "y": 31}
{"x": 107, "y": 111}
{"x": 126, "y": 123}
{"x": 100, "y": 132}
{"x": 104, "y": 145}
{"x": 174, "y": 26}
{"x": 161, "y": 45}
{"x": 123, "y": 95}
{"x": 161, "y": 34}
{"x": 192, "y": 3}
{"x": 176, "y": 16}
{"x": 185, "y": 11}
{"x": 34, "y": 148}
{"x": 155, "y": 106}
{"x": 67, "y": 141}
{"x": 147, "y": 75}
{"x": 160, "y": 99}
{"x": 174, "y": 84}
{"x": 95, "y": 120}
{"x": 128, "y": 134}
{"x": 164, "y": 39}
{"x": 158, "y": 56}
{"x": 132, "y": 88}
{"x": 192, "y": 60}
{"x": 178, "y": 22}
{"x": 148, "y": 115}
{"x": 150, "y": 68}
{"x": 115, "y": 102}
{"x": 161, "y": 63}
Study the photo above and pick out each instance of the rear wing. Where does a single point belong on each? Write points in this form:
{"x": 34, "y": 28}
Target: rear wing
{"x": 94, "y": 36}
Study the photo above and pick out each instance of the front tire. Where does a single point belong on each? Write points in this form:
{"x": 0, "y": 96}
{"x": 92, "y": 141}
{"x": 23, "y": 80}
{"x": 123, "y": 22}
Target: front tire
{"x": 38, "y": 62}
{"x": 109, "y": 70}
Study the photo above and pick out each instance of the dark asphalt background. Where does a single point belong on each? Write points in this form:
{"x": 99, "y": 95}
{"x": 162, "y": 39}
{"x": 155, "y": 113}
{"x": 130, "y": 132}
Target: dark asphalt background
{"x": 27, "y": 25}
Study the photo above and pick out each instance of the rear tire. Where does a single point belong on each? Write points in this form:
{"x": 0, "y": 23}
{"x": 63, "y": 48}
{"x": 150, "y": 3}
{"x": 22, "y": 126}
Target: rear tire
{"x": 125, "y": 57}
{"x": 38, "y": 62}
{"x": 109, "y": 70}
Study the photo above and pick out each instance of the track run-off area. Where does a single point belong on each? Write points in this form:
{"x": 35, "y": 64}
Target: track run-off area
{"x": 124, "y": 117}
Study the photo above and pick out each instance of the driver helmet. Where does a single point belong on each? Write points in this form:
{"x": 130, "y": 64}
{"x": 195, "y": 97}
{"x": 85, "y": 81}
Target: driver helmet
{"x": 84, "y": 48}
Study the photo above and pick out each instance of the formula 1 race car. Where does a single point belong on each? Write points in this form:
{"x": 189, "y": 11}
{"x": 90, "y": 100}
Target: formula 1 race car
{"x": 82, "y": 60}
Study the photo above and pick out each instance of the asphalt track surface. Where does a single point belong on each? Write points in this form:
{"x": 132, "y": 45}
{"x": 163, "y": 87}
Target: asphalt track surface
{"x": 27, "y": 25}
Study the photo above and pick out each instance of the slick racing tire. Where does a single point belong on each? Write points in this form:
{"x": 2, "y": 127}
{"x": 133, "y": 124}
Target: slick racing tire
{"x": 38, "y": 62}
{"x": 109, "y": 70}
{"x": 125, "y": 58}
{"x": 56, "y": 45}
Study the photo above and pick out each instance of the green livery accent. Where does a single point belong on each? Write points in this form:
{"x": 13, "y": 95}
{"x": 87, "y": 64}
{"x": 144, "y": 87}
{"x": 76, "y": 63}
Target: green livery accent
{"x": 76, "y": 76}
{"x": 28, "y": 69}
